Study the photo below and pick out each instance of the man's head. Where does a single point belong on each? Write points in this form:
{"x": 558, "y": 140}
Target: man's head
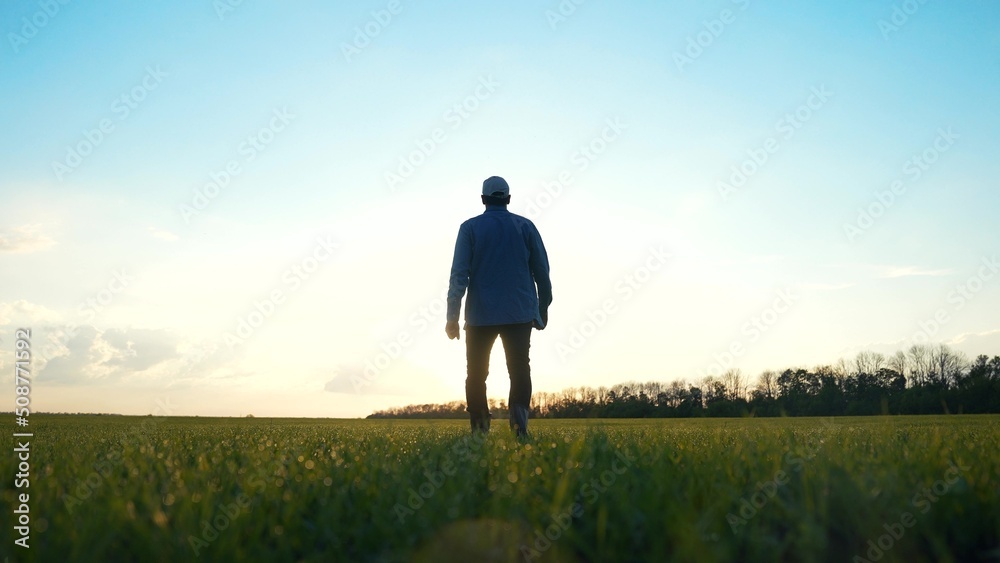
{"x": 496, "y": 191}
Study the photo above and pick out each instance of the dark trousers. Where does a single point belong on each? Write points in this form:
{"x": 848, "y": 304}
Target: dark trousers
{"x": 479, "y": 342}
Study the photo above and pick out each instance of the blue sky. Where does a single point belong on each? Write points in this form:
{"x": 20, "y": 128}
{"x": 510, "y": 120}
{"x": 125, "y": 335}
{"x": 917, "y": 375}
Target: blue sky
{"x": 281, "y": 164}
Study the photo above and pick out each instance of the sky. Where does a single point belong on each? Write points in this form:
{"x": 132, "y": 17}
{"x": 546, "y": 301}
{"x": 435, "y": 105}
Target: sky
{"x": 230, "y": 208}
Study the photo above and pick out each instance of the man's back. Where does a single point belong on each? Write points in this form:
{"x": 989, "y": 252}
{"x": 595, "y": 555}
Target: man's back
{"x": 500, "y": 257}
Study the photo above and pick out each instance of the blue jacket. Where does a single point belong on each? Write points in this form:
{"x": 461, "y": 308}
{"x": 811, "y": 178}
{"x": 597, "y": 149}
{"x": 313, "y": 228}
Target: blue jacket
{"x": 500, "y": 258}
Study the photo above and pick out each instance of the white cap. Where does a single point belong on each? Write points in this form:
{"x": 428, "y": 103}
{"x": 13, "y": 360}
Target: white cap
{"x": 495, "y": 186}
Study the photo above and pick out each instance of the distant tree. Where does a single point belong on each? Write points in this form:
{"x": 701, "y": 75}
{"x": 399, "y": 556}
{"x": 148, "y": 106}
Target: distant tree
{"x": 767, "y": 384}
{"x": 842, "y": 369}
{"x": 735, "y": 384}
{"x": 900, "y": 363}
{"x": 947, "y": 365}
{"x": 919, "y": 363}
{"x": 921, "y": 380}
{"x": 868, "y": 362}
{"x": 695, "y": 400}
{"x": 714, "y": 390}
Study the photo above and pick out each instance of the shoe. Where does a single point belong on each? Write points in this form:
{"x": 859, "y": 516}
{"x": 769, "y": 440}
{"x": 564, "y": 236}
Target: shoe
{"x": 480, "y": 422}
{"x": 519, "y": 420}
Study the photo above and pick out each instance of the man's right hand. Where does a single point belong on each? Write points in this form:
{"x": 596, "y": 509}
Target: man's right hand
{"x": 544, "y": 313}
{"x": 451, "y": 329}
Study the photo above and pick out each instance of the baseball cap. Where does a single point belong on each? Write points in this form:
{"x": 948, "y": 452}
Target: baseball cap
{"x": 495, "y": 186}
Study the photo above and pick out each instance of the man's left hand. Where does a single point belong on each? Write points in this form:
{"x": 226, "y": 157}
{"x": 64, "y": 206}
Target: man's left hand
{"x": 451, "y": 329}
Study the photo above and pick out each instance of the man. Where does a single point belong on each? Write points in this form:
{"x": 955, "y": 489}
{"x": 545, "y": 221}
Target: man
{"x": 500, "y": 258}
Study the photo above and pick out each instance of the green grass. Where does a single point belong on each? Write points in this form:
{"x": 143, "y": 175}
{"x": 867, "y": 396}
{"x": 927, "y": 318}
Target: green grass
{"x": 351, "y": 490}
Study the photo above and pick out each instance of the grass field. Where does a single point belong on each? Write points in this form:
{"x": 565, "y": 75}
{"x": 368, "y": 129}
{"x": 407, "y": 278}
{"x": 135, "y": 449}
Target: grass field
{"x": 175, "y": 489}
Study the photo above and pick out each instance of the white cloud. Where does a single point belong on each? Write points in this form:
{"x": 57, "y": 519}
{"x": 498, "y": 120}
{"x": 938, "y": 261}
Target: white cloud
{"x": 753, "y": 259}
{"x": 24, "y": 239}
{"x": 343, "y": 381}
{"x": 976, "y": 343}
{"x": 25, "y": 313}
{"x": 887, "y": 271}
{"x": 826, "y": 286}
{"x": 163, "y": 234}
{"x": 908, "y": 271}
{"x": 152, "y": 357}
{"x": 112, "y": 355}
{"x": 352, "y": 380}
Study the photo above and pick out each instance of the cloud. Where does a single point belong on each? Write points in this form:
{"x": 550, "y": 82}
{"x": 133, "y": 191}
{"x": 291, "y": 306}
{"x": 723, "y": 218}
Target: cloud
{"x": 91, "y": 356}
{"x": 908, "y": 271}
{"x": 749, "y": 260}
{"x": 976, "y": 343}
{"x": 140, "y": 349}
{"x": 24, "y": 239}
{"x": 348, "y": 380}
{"x": 971, "y": 344}
{"x": 25, "y": 313}
{"x": 827, "y": 286}
{"x": 84, "y": 354}
{"x": 401, "y": 382}
{"x": 162, "y": 234}
{"x": 890, "y": 271}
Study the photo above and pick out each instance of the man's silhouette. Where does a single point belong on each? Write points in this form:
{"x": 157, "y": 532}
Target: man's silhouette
{"x": 499, "y": 258}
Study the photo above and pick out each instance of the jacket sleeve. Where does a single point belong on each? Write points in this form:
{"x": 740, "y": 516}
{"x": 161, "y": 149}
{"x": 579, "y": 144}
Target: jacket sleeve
{"x": 538, "y": 262}
{"x": 461, "y": 265}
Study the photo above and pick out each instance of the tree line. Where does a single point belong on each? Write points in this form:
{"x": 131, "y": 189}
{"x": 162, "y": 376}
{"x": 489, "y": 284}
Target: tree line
{"x": 920, "y": 380}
